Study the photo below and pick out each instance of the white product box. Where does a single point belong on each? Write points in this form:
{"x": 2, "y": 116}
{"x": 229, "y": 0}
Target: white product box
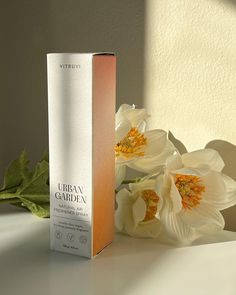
{"x": 81, "y": 103}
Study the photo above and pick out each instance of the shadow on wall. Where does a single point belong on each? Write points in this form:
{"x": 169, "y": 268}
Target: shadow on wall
{"x": 177, "y": 143}
{"x": 231, "y": 2}
{"x": 30, "y": 29}
{"x": 228, "y": 152}
{"x": 25, "y": 33}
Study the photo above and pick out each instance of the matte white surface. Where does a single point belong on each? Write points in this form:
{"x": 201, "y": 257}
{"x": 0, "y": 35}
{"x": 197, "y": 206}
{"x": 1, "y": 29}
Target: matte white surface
{"x": 129, "y": 266}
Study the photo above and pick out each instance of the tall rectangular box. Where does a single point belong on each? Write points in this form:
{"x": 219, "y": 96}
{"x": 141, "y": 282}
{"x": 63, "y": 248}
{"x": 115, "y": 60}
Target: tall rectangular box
{"x": 81, "y": 105}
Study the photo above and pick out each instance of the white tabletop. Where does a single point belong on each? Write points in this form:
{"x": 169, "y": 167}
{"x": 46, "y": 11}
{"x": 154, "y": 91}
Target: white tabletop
{"x": 128, "y": 266}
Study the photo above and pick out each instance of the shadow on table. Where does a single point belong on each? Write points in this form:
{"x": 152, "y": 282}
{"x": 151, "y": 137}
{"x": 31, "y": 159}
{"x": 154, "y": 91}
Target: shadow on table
{"x": 29, "y": 267}
{"x": 6, "y": 209}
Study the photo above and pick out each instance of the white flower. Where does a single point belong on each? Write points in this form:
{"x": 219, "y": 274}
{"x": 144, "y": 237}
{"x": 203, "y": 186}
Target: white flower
{"x": 194, "y": 191}
{"x": 138, "y": 210}
{"x": 120, "y": 171}
{"x": 139, "y": 149}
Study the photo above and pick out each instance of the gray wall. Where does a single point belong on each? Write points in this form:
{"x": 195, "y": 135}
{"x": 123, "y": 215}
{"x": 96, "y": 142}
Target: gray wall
{"x": 30, "y": 29}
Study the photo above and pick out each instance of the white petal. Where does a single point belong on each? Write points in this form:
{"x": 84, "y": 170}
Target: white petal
{"x": 203, "y": 157}
{"x": 230, "y": 185}
{"x": 220, "y": 190}
{"x": 145, "y": 164}
{"x": 120, "y": 171}
{"x": 150, "y": 184}
{"x": 142, "y": 126}
{"x": 139, "y": 210}
{"x": 142, "y": 185}
{"x": 175, "y": 227}
{"x": 120, "y": 113}
{"x": 215, "y": 190}
{"x": 163, "y": 187}
{"x": 149, "y": 229}
{"x": 202, "y": 215}
{"x": 124, "y": 204}
{"x": 208, "y": 229}
{"x": 174, "y": 162}
{"x": 200, "y": 171}
{"x": 152, "y": 164}
{"x": 156, "y": 141}
{"x": 175, "y": 197}
{"x": 121, "y": 160}
{"x": 159, "y": 184}
{"x": 136, "y": 116}
{"x": 122, "y": 129}
{"x": 158, "y": 189}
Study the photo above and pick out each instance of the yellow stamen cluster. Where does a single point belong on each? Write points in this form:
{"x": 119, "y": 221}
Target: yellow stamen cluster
{"x": 190, "y": 189}
{"x": 131, "y": 144}
{"x": 151, "y": 199}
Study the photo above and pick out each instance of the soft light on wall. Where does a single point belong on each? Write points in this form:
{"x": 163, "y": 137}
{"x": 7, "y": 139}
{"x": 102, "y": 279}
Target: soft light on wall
{"x": 190, "y": 75}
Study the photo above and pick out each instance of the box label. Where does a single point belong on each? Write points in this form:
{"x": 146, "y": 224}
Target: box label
{"x": 71, "y": 224}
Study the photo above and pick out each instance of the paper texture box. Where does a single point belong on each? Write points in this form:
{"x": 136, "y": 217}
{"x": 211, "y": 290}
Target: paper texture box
{"x": 81, "y": 101}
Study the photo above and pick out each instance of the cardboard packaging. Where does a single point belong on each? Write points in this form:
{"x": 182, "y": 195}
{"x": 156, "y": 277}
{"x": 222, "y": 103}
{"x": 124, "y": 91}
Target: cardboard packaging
{"x": 81, "y": 104}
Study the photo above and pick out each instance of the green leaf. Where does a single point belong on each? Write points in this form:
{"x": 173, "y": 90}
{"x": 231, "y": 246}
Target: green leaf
{"x": 29, "y": 189}
{"x": 34, "y": 191}
{"x": 40, "y": 198}
{"x": 37, "y": 182}
{"x": 15, "y": 173}
{"x": 40, "y": 210}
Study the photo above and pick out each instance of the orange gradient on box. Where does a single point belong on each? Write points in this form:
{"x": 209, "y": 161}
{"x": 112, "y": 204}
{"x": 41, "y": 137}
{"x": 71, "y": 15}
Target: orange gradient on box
{"x": 104, "y": 83}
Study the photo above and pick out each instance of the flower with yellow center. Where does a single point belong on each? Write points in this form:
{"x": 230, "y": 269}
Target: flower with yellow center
{"x": 190, "y": 189}
{"x": 194, "y": 192}
{"x": 138, "y": 208}
{"x": 131, "y": 145}
{"x": 135, "y": 147}
{"x": 151, "y": 200}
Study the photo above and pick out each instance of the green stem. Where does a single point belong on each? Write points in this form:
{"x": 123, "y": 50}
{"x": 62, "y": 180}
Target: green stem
{"x": 7, "y": 196}
{"x": 140, "y": 178}
{"x": 131, "y": 180}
